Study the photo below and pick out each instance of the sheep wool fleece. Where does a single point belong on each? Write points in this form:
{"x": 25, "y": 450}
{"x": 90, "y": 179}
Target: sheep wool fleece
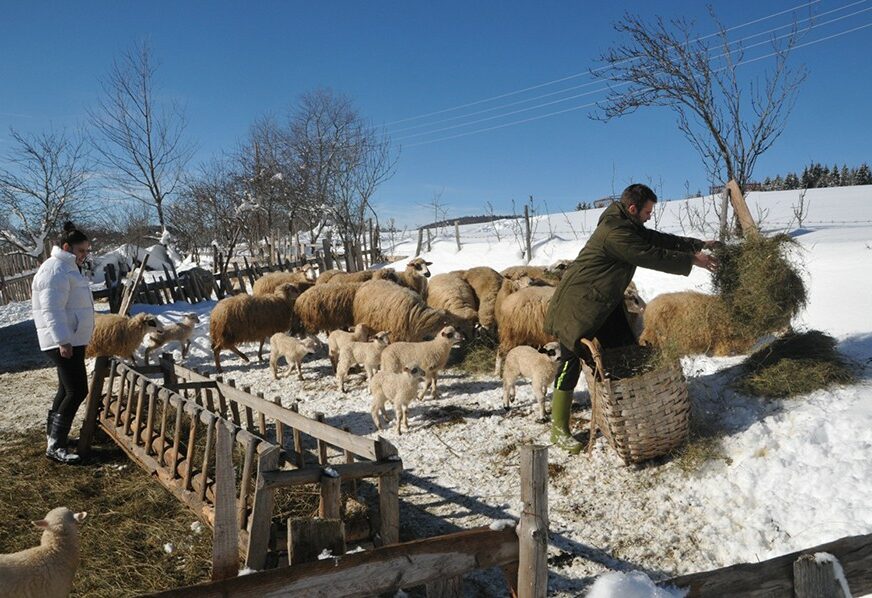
{"x": 63, "y": 308}
{"x": 594, "y": 283}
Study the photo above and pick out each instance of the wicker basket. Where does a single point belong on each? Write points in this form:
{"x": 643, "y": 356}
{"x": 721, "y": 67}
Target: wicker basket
{"x": 642, "y": 417}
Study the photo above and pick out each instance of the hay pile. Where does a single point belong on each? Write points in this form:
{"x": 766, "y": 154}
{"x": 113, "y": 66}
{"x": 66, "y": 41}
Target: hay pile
{"x": 630, "y": 361}
{"x": 796, "y": 364}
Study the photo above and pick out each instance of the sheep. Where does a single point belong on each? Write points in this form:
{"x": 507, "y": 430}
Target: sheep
{"x": 47, "y": 570}
{"x": 415, "y": 275}
{"x": 398, "y": 388}
{"x": 383, "y": 305}
{"x": 293, "y": 350}
{"x": 486, "y": 283}
{"x": 540, "y": 366}
{"x": 249, "y": 318}
{"x": 453, "y": 294}
{"x": 180, "y": 331}
{"x": 327, "y": 307}
{"x": 267, "y": 284}
{"x": 634, "y": 308}
{"x": 120, "y": 335}
{"x": 339, "y": 338}
{"x": 558, "y": 268}
{"x": 430, "y": 356}
{"x": 521, "y": 320}
{"x": 538, "y": 273}
{"x": 367, "y": 354}
{"x": 688, "y": 322}
{"x": 363, "y": 276}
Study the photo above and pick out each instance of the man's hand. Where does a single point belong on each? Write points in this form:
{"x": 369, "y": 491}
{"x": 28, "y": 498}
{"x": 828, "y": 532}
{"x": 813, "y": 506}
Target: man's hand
{"x": 66, "y": 350}
{"x": 712, "y": 245}
{"x": 704, "y": 260}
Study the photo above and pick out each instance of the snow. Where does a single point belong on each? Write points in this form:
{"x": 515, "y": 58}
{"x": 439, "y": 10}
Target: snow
{"x": 825, "y": 557}
{"x": 499, "y": 525}
{"x": 629, "y": 585}
{"x": 785, "y": 475}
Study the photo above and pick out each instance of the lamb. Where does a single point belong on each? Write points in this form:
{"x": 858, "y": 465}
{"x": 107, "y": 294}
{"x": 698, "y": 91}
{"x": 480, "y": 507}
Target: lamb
{"x": 486, "y": 283}
{"x": 267, "y": 284}
{"x": 180, "y": 331}
{"x": 398, "y": 388}
{"x": 339, "y": 338}
{"x": 430, "y": 356}
{"x": 521, "y": 320}
{"x": 120, "y": 335}
{"x": 327, "y": 307}
{"x": 453, "y": 294}
{"x": 47, "y": 570}
{"x": 367, "y": 354}
{"x": 249, "y": 318}
{"x": 539, "y": 366}
{"x": 688, "y": 323}
{"x": 293, "y": 350}
{"x": 634, "y": 307}
{"x": 383, "y": 305}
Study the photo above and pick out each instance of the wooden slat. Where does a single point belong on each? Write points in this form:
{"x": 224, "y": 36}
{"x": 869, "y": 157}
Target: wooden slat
{"x": 207, "y": 451}
{"x": 261, "y": 512}
{"x": 149, "y": 419}
{"x": 248, "y": 464}
{"x": 177, "y": 435}
{"x": 350, "y": 471}
{"x": 533, "y": 526}
{"x": 192, "y": 411}
{"x": 330, "y": 505}
{"x": 225, "y": 555}
{"x": 322, "y": 446}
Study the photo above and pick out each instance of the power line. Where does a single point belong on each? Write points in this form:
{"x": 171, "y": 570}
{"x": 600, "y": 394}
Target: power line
{"x": 539, "y": 117}
{"x": 606, "y": 88}
{"x": 589, "y": 83}
{"x": 583, "y": 73}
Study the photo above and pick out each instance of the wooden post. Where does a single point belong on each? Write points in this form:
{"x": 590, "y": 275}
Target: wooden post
{"x": 429, "y": 241}
{"x": 322, "y": 446}
{"x": 533, "y": 526}
{"x": 225, "y": 544}
{"x": 95, "y": 393}
{"x": 330, "y": 506}
{"x": 420, "y": 242}
{"x": 528, "y": 233}
{"x": 746, "y": 221}
{"x": 328, "y": 253}
{"x": 308, "y": 537}
{"x": 389, "y": 496}
{"x": 457, "y": 233}
{"x": 261, "y": 512}
{"x": 129, "y": 292}
{"x": 451, "y": 587}
{"x": 814, "y": 576}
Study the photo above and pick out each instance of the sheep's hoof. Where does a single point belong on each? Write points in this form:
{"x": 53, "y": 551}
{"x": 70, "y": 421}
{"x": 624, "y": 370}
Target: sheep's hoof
{"x": 543, "y": 420}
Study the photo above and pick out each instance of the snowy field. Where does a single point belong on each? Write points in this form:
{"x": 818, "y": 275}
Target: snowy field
{"x": 787, "y": 475}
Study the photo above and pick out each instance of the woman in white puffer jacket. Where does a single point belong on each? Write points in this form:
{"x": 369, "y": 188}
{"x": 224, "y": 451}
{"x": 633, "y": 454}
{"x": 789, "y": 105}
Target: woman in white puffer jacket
{"x": 63, "y": 311}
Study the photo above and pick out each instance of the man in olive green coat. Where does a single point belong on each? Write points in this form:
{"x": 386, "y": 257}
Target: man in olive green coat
{"x": 588, "y": 302}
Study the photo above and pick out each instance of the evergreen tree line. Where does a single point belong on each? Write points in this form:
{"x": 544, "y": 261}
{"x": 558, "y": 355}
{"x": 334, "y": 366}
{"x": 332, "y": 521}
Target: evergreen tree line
{"x": 816, "y": 175}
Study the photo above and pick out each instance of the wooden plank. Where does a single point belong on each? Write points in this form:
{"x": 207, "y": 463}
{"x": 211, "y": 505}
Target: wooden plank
{"x": 451, "y": 587}
{"x": 149, "y": 421}
{"x": 225, "y": 554}
{"x": 280, "y": 427}
{"x": 533, "y": 526}
{"x": 247, "y": 466}
{"x": 144, "y": 387}
{"x": 330, "y": 506}
{"x": 122, "y": 390}
{"x": 298, "y": 441}
{"x": 192, "y": 442}
{"x": 815, "y": 577}
{"x": 322, "y": 446}
{"x": 177, "y": 435}
{"x": 128, "y": 296}
{"x": 207, "y": 451}
{"x": 746, "y": 221}
{"x": 307, "y": 538}
{"x": 775, "y": 576}
{"x": 376, "y": 571}
{"x": 350, "y": 471}
{"x": 92, "y": 405}
{"x": 261, "y": 512}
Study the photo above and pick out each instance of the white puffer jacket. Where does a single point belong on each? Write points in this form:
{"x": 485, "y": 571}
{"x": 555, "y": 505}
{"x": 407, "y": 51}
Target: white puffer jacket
{"x": 63, "y": 308}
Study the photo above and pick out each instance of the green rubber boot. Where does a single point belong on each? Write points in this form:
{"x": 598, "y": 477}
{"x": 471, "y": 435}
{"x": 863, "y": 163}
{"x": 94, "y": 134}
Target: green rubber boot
{"x": 560, "y": 436}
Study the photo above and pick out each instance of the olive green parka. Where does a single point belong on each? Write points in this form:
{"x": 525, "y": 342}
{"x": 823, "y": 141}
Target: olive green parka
{"x": 594, "y": 283}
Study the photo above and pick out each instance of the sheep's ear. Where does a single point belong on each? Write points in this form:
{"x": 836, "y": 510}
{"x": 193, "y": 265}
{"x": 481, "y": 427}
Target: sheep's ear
{"x": 428, "y": 263}
{"x": 80, "y": 516}
{"x": 41, "y": 523}
{"x": 542, "y": 349}
{"x": 407, "y": 369}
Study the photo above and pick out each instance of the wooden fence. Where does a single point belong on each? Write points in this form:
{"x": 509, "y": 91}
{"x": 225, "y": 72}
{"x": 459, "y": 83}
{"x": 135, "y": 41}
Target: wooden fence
{"x": 16, "y": 276}
{"x": 172, "y": 427}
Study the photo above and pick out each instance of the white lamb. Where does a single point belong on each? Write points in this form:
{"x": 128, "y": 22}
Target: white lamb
{"x": 367, "y": 354}
{"x": 181, "y": 332}
{"x": 47, "y": 570}
{"x": 400, "y": 389}
{"x": 293, "y": 350}
{"x": 539, "y": 366}
{"x": 339, "y": 338}
{"x": 430, "y": 356}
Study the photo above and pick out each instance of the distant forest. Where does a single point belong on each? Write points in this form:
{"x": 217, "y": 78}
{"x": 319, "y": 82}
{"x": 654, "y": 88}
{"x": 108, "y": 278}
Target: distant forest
{"x": 817, "y": 175}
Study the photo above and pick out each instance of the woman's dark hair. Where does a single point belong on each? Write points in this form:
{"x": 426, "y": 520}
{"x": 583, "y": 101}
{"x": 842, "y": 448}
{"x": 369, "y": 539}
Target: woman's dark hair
{"x": 71, "y": 235}
{"x": 637, "y": 195}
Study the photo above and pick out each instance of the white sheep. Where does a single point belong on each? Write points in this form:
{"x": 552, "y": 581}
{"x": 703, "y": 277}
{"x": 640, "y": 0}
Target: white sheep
{"x": 367, "y": 354}
{"x": 538, "y": 366}
{"x": 293, "y": 350}
{"x": 431, "y": 356}
{"x": 181, "y": 332}
{"x": 47, "y": 570}
{"x": 339, "y": 338}
{"x": 120, "y": 335}
{"x": 398, "y": 388}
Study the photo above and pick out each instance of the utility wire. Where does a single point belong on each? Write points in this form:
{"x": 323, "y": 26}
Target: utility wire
{"x": 583, "y": 73}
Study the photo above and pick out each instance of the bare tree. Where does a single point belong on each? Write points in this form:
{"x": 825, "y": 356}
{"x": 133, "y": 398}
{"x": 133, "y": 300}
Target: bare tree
{"x": 667, "y": 64}
{"x": 46, "y": 179}
{"x": 437, "y": 208}
{"x": 800, "y": 208}
{"x": 140, "y": 141}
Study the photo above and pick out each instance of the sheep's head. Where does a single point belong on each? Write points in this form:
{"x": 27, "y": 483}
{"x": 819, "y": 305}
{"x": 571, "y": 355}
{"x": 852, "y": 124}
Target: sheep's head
{"x": 311, "y": 344}
{"x": 451, "y": 335}
{"x": 191, "y": 319}
{"x": 386, "y": 274}
{"x": 382, "y": 338}
{"x": 415, "y": 372}
{"x": 558, "y": 268}
{"x": 551, "y": 351}
{"x": 419, "y": 266}
{"x": 288, "y": 291}
{"x": 310, "y": 272}
{"x": 60, "y": 520}
{"x": 362, "y": 332}
{"x": 634, "y": 302}
{"x": 148, "y": 321}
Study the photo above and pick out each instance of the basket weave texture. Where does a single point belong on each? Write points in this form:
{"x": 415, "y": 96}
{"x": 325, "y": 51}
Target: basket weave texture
{"x": 642, "y": 417}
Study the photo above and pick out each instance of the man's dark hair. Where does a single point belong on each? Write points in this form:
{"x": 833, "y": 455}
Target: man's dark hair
{"x": 637, "y": 195}
{"x": 71, "y": 235}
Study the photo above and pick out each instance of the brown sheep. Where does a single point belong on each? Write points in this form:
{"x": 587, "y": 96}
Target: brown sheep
{"x": 249, "y": 318}
{"x": 521, "y": 321}
{"x": 453, "y": 294}
{"x": 486, "y": 283}
{"x": 120, "y": 335}
{"x": 326, "y": 307}
{"x": 268, "y": 283}
{"x": 536, "y": 273}
{"x": 383, "y": 305}
{"x": 363, "y": 276}
{"x": 415, "y": 275}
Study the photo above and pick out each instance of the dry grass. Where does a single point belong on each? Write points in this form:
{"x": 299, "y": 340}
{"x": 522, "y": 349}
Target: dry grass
{"x": 480, "y": 354}
{"x": 130, "y": 519}
{"x": 793, "y": 365}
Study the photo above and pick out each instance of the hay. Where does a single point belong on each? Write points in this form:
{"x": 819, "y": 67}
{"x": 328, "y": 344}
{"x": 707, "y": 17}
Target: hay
{"x": 480, "y": 354}
{"x": 760, "y": 284}
{"x": 630, "y": 361}
{"x": 795, "y": 364}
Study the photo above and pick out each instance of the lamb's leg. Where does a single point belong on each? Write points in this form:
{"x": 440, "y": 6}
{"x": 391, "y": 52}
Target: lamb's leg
{"x": 508, "y": 393}
{"x": 300, "y": 370}
{"x": 185, "y": 346}
{"x": 260, "y": 351}
{"x": 376, "y": 413}
{"x": 539, "y": 391}
{"x": 216, "y": 354}
{"x": 433, "y": 378}
{"x": 498, "y": 363}
{"x": 274, "y": 365}
{"x": 236, "y": 350}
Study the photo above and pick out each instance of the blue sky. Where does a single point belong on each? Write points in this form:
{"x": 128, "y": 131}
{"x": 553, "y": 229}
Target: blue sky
{"x": 232, "y": 62}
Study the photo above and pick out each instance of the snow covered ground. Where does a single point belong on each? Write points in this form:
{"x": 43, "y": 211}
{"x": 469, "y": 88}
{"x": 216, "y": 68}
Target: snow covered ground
{"x": 784, "y": 475}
